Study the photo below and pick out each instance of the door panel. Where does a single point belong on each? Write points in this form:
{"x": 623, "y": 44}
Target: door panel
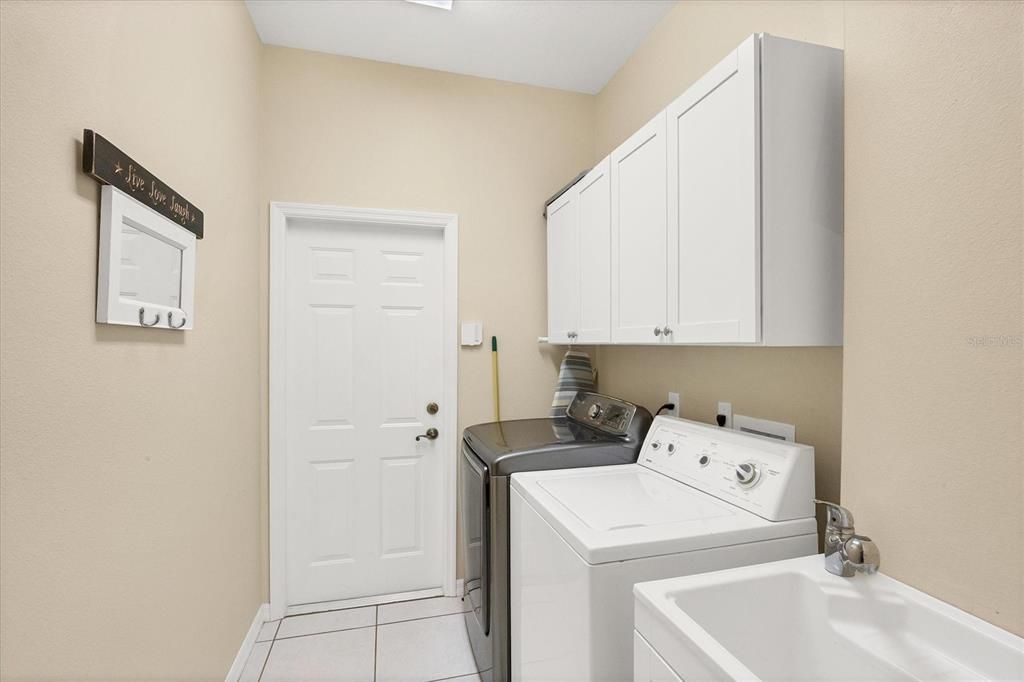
{"x": 639, "y": 237}
{"x": 714, "y": 205}
{"x": 563, "y": 267}
{"x": 333, "y": 533}
{"x": 401, "y": 490}
{"x": 364, "y": 353}
{"x": 333, "y": 348}
{"x": 595, "y": 313}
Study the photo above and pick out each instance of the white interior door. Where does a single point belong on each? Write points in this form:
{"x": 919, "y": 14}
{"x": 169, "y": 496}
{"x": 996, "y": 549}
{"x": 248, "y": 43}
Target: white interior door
{"x": 364, "y": 359}
{"x": 563, "y": 267}
{"x": 714, "y": 205}
{"x": 595, "y": 248}
{"x": 639, "y": 239}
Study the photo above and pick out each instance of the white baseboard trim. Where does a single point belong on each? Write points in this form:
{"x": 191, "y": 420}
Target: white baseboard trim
{"x": 262, "y": 616}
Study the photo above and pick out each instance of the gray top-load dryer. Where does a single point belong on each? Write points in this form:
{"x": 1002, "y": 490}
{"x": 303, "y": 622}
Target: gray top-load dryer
{"x": 597, "y": 430}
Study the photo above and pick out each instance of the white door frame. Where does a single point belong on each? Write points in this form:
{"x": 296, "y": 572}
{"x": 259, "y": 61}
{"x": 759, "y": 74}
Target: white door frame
{"x": 280, "y": 215}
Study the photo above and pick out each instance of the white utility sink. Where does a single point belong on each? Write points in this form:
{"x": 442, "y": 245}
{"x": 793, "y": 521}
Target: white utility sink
{"x": 792, "y": 620}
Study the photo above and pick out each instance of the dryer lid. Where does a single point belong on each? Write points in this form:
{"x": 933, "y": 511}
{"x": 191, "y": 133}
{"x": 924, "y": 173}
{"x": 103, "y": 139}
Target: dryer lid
{"x": 547, "y": 443}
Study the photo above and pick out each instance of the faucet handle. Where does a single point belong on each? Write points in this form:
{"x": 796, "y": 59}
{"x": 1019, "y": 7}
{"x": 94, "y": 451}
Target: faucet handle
{"x": 862, "y": 553}
{"x": 838, "y": 516}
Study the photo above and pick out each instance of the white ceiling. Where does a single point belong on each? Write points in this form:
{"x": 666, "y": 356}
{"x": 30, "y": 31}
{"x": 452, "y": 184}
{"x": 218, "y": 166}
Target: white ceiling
{"x": 567, "y": 44}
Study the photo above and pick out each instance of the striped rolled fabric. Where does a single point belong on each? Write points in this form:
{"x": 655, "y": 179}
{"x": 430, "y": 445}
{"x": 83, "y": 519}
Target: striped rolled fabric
{"x": 576, "y": 374}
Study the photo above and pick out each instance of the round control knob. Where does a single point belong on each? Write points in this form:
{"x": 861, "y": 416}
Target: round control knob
{"x": 704, "y": 460}
{"x": 655, "y": 445}
{"x": 747, "y": 474}
{"x": 671, "y": 448}
{"x": 595, "y": 411}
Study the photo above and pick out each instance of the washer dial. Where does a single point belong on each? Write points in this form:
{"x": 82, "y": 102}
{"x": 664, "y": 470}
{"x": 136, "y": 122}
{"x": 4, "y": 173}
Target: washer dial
{"x": 747, "y": 474}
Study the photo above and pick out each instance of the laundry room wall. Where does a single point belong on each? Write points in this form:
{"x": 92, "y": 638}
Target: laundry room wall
{"x": 351, "y": 132}
{"x": 129, "y": 483}
{"x": 933, "y": 399}
{"x": 801, "y": 386}
{"x": 930, "y": 379}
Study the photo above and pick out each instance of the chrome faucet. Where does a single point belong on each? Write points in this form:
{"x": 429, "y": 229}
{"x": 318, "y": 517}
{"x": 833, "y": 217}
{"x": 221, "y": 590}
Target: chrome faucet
{"x": 847, "y": 553}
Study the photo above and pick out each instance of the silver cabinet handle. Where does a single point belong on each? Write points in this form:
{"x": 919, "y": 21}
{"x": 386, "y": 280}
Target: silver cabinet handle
{"x": 657, "y": 331}
{"x": 667, "y": 331}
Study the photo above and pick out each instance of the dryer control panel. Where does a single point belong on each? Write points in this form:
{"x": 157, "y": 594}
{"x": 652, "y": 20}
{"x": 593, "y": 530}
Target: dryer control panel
{"x": 773, "y": 479}
{"x": 602, "y": 412}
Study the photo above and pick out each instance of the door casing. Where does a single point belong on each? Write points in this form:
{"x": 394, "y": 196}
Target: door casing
{"x": 281, "y": 213}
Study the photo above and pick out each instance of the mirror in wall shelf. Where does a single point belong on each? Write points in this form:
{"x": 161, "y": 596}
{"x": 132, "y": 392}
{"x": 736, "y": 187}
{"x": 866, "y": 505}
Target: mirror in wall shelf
{"x": 147, "y": 266}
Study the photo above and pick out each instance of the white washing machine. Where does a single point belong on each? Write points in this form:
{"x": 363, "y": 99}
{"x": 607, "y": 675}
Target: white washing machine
{"x": 699, "y": 499}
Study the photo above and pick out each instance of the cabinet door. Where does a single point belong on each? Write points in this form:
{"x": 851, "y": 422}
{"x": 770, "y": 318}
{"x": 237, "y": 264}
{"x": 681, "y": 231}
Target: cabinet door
{"x": 639, "y": 240}
{"x": 563, "y": 266}
{"x": 595, "y": 255}
{"x": 714, "y": 205}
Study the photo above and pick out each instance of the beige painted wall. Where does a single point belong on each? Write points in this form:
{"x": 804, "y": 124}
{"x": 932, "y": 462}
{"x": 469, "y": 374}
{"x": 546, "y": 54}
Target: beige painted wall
{"x": 793, "y": 385}
{"x": 112, "y": 548}
{"x": 932, "y": 419}
{"x": 352, "y": 132}
{"x": 933, "y": 464}
{"x": 129, "y": 492}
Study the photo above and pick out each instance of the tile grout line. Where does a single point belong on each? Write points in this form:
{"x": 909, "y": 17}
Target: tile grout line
{"x": 326, "y": 632}
{"x": 376, "y": 633}
{"x": 373, "y": 625}
{"x": 409, "y": 620}
{"x": 266, "y": 660}
{"x": 367, "y": 606}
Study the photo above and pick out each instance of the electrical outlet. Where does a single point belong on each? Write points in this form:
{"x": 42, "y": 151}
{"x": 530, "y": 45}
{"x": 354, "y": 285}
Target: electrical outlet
{"x": 674, "y": 399}
{"x": 725, "y": 410}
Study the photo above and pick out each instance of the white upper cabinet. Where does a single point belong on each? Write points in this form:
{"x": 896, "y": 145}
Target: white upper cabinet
{"x": 725, "y": 214}
{"x": 595, "y": 247}
{"x": 714, "y": 215}
{"x": 639, "y": 236}
{"x": 755, "y": 199}
{"x": 563, "y": 267}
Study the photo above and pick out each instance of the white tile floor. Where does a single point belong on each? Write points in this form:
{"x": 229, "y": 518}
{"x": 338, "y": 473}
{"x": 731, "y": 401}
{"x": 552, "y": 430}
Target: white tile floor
{"x": 414, "y": 641}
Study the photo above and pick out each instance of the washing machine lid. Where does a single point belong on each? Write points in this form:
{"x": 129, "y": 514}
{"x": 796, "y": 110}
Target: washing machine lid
{"x": 630, "y": 512}
{"x": 633, "y": 499}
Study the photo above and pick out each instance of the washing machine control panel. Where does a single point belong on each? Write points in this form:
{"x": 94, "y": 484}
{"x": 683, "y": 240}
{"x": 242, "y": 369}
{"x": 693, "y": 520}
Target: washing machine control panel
{"x": 773, "y": 479}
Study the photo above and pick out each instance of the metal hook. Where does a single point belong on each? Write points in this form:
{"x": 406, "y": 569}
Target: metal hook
{"x": 170, "y": 321}
{"x": 142, "y": 319}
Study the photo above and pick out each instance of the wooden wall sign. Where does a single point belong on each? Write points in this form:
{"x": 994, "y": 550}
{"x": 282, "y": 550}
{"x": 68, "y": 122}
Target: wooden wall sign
{"x": 111, "y": 166}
